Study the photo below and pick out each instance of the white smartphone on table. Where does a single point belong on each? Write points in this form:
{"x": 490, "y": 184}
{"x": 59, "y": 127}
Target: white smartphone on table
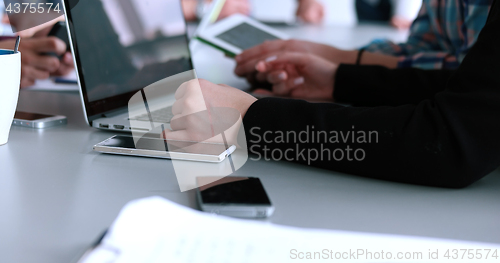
{"x": 37, "y": 120}
{"x": 159, "y": 148}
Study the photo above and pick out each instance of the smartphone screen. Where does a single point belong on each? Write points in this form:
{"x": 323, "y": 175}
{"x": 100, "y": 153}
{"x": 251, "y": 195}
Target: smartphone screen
{"x": 161, "y": 145}
{"x": 27, "y": 116}
{"x": 234, "y": 190}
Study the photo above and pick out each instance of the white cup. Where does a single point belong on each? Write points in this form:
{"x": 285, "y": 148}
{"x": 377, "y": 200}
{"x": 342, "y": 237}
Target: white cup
{"x": 10, "y": 78}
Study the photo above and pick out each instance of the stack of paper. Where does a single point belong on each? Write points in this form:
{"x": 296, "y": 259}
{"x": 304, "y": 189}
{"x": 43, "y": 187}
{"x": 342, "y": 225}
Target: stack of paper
{"x": 156, "y": 230}
{"x": 68, "y": 83}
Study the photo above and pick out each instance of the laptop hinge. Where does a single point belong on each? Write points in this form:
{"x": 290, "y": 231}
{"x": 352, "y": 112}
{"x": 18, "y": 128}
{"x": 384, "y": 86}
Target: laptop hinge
{"x": 113, "y": 113}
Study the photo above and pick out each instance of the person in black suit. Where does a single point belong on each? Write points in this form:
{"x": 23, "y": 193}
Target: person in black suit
{"x": 445, "y": 134}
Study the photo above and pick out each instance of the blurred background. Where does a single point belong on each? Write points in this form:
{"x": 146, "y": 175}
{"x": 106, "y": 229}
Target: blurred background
{"x": 397, "y": 13}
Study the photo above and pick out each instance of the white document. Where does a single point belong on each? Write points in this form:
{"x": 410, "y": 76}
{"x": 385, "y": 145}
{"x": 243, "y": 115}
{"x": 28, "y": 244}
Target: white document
{"x": 156, "y": 230}
{"x": 50, "y": 84}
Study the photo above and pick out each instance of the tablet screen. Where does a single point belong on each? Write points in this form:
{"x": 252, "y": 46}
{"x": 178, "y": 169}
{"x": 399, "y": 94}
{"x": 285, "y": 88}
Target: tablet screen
{"x": 245, "y": 36}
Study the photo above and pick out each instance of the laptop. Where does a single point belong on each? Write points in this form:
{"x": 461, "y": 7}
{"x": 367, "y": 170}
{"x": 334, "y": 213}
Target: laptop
{"x": 121, "y": 47}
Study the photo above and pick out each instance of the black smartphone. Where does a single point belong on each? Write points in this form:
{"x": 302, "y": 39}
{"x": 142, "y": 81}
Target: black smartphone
{"x": 234, "y": 196}
{"x": 59, "y": 30}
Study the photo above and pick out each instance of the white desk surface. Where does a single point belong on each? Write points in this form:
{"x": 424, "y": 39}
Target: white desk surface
{"x": 57, "y": 196}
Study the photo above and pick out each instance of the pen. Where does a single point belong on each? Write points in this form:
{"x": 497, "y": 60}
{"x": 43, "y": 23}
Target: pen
{"x": 17, "y": 44}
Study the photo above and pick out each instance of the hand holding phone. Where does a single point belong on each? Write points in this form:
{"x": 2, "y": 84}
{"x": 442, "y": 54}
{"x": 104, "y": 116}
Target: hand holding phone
{"x": 37, "y": 120}
{"x": 59, "y": 30}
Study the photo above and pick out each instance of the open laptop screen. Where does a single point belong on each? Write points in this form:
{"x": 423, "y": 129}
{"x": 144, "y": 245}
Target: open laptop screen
{"x": 122, "y": 46}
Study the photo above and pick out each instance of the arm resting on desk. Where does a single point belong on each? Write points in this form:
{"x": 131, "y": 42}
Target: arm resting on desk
{"x": 449, "y": 140}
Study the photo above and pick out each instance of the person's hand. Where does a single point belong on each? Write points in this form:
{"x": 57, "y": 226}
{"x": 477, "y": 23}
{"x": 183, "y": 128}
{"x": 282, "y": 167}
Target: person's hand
{"x": 203, "y": 110}
{"x": 66, "y": 65}
{"x": 310, "y": 11}
{"x": 247, "y": 60}
{"x": 36, "y": 31}
{"x": 401, "y": 23}
{"x": 232, "y": 7}
{"x": 35, "y": 65}
{"x": 189, "y": 9}
{"x": 300, "y": 75}
{"x": 41, "y": 32}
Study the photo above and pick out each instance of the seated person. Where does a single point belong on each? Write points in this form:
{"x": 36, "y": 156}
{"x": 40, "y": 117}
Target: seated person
{"x": 34, "y": 46}
{"x": 400, "y": 13}
{"x": 310, "y": 11}
{"x": 441, "y": 128}
{"x": 34, "y": 64}
{"x": 435, "y": 42}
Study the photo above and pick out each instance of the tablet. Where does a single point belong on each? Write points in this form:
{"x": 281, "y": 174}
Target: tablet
{"x": 236, "y": 33}
{"x": 157, "y": 148}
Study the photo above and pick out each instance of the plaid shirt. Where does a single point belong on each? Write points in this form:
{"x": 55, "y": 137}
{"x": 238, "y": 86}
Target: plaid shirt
{"x": 440, "y": 36}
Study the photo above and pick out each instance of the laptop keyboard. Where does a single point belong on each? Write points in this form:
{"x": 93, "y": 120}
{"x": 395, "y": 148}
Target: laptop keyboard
{"x": 163, "y": 115}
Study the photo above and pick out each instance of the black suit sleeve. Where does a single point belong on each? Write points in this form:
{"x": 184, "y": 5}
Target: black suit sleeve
{"x": 449, "y": 140}
{"x": 379, "y": 86}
